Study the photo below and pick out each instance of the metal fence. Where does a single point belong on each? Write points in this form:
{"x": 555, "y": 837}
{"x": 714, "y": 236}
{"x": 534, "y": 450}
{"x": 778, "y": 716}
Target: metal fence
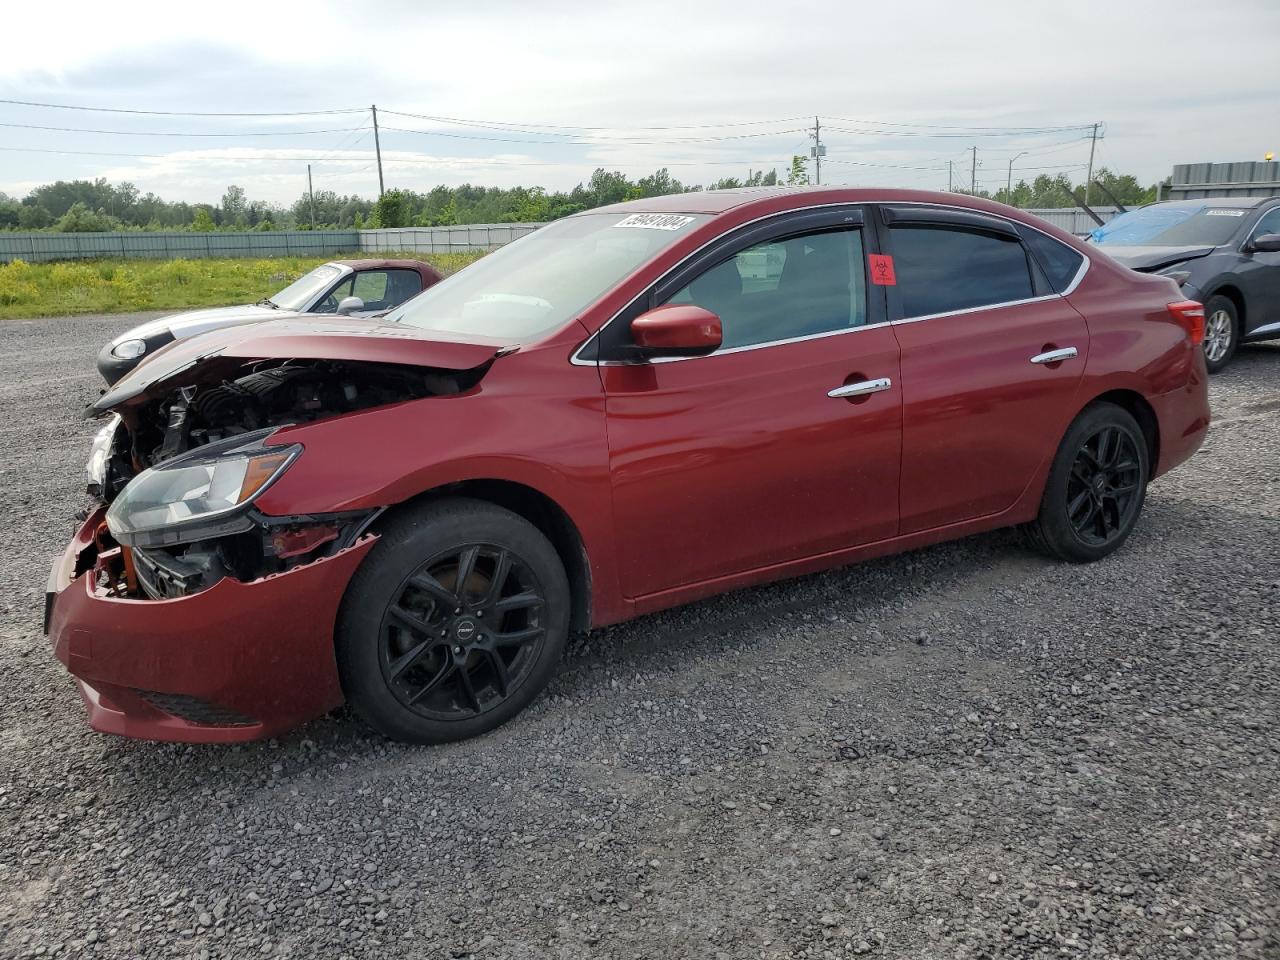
{"x": 1073, "y": 219}
{"x": 1249, "y": 178}
{"x": 475, "y": 236}
{"x": 36, "y": 247}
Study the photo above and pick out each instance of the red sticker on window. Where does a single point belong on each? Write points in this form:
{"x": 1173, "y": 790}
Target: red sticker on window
{"x": 882, "y": 270}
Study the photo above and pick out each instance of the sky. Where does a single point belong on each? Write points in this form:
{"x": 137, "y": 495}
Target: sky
{"x": 502, "y": 93}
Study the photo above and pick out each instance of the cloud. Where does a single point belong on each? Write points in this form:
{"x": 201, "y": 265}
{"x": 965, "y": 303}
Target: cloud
{"x": 661, "y": 64}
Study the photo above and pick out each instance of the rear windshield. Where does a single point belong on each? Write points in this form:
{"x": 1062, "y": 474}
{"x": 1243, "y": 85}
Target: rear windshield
{"x": 542, "y": 281}
{"x": 1172, "y": 225}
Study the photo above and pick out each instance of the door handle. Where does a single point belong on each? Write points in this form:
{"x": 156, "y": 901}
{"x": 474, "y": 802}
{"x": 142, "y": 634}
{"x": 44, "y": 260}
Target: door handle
{"x": 859, "y": 389}
{"x": 1054, "y": 356}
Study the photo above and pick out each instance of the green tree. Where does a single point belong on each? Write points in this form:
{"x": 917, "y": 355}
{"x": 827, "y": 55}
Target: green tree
{"x": 202, "y": 222}
{"x": 80, "y": 219}
{"x": 799, "y": 171}
{"x": 235, "y": 207}
{"x": 392, "y": 209}
{"x": 33, "y": 217}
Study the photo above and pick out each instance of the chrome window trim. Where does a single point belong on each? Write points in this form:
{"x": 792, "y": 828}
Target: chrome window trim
{"x": 1253, "y": 231}
{"x": 985, "y": 306}
{"x": 576, "y": 359}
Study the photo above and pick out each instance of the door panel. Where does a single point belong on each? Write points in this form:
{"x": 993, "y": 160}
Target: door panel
{"x": 978, "y": 416}
{"x": 1259, "y": 278}
{"x": 740, "y": 460}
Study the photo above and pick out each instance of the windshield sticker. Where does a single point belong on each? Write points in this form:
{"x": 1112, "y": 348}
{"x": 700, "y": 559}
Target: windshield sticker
{"x": 1224, "y": 213}
{"x": 655, "y": 221}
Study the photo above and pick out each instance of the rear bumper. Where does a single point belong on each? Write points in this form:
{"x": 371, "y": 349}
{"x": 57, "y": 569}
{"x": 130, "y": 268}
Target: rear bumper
{"x": 1183, "y": 418}
{"x": 239, "y": 661}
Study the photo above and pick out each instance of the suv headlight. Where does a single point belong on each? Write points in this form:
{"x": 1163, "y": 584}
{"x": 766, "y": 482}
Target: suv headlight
{"x": 1176, "y": 273}
{"x": 176, "y": 500}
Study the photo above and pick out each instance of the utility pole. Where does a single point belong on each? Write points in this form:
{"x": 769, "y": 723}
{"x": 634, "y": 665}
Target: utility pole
{"x": 1088, "y": 182}
{"x": 949, "y": 176}
{"x": 973, "y": 173}
{"x": 818, "y": 151}
{"x": 1008, "y": 189}
{"x": 312, "y": 194}
{"x": 377, "y": 146}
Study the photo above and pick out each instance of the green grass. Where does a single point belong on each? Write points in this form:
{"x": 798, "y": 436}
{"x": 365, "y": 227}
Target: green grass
{"x": 124, "y": 286}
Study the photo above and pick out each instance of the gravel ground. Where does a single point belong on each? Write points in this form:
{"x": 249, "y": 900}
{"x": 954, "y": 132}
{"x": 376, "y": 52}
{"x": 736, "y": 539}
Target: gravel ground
{"x": 966, "y": 751}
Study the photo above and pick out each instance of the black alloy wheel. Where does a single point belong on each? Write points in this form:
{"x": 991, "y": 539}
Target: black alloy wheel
{"x": 1096, "y": 487}
{"x": 464, "y": 632}
{"x": 454, "y": 622}
{"x": 1103, "y": 492}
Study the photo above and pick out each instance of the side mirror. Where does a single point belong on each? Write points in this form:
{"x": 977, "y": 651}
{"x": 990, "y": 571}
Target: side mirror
{"x": 349, "y": 305}
{"x": 1266, "y": 243}
{"x": 676, "y": 330}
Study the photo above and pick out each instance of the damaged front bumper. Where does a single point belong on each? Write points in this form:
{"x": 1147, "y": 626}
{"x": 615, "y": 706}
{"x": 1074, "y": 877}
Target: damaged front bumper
{"x": 236, "y": 661}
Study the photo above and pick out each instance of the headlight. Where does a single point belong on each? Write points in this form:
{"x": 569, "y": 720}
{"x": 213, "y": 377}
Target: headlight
{"x": 185, "y": 492}
{"x": 129, "y": 349}
{"x": 1175, "y": 273}
{"x": 100, "y": 454}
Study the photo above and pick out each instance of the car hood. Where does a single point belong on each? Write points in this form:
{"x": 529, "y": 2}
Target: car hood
{"x": 301, "y": 337}
{"x": 197, "y": 321}
{"x": 1146, "y": 258}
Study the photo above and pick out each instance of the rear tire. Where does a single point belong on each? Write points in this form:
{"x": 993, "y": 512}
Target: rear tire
{"x": 1221, "y": 332}
{"x": 454, "y": 622}
{"x": 1096, "y": 487}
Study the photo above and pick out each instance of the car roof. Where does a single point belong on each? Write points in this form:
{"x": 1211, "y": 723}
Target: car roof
{"x": 1213, "y": 202}
{"x": 375, "y": 264}
{"x": 722, "y": 201}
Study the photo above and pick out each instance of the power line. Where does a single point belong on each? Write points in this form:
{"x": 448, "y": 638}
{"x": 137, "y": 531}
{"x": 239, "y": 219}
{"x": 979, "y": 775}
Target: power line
{"x": 889, "y": 166}
{"x": 158, "y": 156}
{"x": 938, "y": 126}
{"x": 597, "y": 142}
{"x": 501, "y": 125}
{"x": 940, "y": 136}
{"x": 179, "y": 113}
{"x": 173, "y": 133}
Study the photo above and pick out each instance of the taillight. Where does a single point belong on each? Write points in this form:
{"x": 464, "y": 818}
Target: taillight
{"x": 1191, "y": 315}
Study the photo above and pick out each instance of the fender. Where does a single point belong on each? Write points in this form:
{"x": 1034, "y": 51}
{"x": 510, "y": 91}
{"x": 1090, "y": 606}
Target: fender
{"x": 519, "y": 425}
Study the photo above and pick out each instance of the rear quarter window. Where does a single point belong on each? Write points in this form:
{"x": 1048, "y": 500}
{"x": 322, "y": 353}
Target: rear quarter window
{"x": 1059, "y": 262}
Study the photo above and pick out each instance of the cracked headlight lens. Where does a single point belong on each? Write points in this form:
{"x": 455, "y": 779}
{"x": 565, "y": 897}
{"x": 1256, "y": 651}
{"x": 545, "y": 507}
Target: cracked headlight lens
{"x": 100, "y": 454}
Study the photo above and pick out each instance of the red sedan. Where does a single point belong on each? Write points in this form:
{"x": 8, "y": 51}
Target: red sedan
{"x": 629, "y": 409}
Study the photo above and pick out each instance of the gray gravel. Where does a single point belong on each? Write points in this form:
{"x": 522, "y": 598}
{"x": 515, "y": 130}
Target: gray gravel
{"x": 963, "y": 752}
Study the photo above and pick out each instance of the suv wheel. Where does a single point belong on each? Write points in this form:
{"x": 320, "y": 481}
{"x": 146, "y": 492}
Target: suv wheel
{"x": 453, "y": 624}
{"x": 1221, "y": 332}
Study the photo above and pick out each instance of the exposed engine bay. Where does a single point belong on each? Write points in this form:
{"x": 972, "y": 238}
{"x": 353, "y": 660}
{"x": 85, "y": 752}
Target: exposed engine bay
{"x": 258, "y": 396}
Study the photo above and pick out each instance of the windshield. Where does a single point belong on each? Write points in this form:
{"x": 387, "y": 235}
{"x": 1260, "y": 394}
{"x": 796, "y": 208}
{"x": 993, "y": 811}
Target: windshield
{"x": 1172, "y": 225}
{"x": 300, "y": 294}
{"x": 542, "y": 281}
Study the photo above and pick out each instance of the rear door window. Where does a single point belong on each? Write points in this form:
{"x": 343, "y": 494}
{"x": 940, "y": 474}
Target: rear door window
{"x": 944, "y": 268}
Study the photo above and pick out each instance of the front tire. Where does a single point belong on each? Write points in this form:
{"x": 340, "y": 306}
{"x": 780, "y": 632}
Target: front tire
{"x": 454, "y": 622}
{"x": 1096, "y": 487}
{"x": 1221, "y": 332}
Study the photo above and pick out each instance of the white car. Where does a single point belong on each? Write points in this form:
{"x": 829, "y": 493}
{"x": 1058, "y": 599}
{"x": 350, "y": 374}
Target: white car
{"x": 358, "y": 288}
